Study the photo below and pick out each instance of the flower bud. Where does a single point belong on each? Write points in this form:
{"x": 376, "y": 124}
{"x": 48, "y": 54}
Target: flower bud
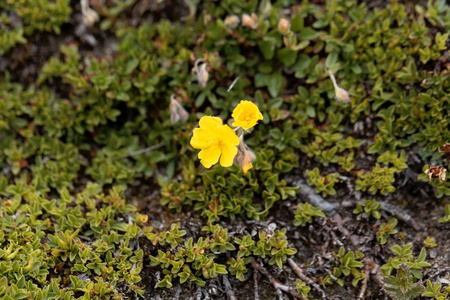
{"x": 143, "y": 218}
{"x": 250, "y": 21}
{"x": 232, "y": 21}
{"x": 341, "y": 94}
{"x": 284, "y": 26}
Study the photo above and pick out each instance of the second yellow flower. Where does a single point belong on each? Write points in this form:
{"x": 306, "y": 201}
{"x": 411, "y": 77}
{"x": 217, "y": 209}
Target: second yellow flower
{"x": 246, "y": 115}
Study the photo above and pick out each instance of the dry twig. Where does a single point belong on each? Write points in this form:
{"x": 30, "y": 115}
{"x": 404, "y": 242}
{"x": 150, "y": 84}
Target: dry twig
{"x": 198, "y": 294}
{"x": 371, "y": 267}
{"x": 177, "y": 292}
{"x": 312, "y": 197}
{"x": 148, "y": 149}
{"x": 229, "y": 290}
{"x": 280, "y": 294}
{"x": 401, "y": 214}
{"x": 255, "y": 279}
{"x": 304, "y": 278}
{"x": 375, "y": 271}
{"x": 233, "y": 83}
{"x": 365, "y": 281}
{"x": 276, "y": 284}
{"x": 348, "y": 183}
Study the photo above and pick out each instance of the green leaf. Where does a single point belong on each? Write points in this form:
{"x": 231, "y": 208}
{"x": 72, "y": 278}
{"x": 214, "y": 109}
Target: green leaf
{"x": 267, "y": 47}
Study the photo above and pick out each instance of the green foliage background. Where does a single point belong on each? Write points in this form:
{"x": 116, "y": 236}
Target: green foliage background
{"x": 68, "y": 139}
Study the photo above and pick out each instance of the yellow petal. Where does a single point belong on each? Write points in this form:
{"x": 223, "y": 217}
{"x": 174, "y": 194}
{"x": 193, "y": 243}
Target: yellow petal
{"x": 238, "y": 109}
{"x": 202, "y": 139}
{"x": 209, "y": 156}
{"x": 207, "y": 134}
{"x": 247, "y": 167}
{"x": 228, "y": 145}
{"x": 228, "y": 136}
{"x": 259, "y": 116}
{"x": 208, "y": 122}
{"x": 228, "y": 154}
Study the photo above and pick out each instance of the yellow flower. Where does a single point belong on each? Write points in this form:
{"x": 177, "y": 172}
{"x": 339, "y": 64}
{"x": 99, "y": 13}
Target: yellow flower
{"x": 143, "y": 218}
{"x": 215, "y": 140}
{"x": 246, "y": 115}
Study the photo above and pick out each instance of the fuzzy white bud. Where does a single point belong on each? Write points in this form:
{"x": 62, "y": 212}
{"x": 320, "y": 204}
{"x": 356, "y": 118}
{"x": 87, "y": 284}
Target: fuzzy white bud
{"x": 284, "y": 26}
{"x": 231, "y": 21}
{"x": 250, "y": 21}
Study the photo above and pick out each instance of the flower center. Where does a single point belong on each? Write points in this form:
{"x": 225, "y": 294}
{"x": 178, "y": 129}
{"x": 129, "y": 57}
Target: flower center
{"x": 213, "y": 141}
{"x": 247, "y": 117}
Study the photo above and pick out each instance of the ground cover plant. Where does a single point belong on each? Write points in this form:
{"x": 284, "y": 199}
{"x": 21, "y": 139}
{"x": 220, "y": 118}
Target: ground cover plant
{"x": 224, "y": 149}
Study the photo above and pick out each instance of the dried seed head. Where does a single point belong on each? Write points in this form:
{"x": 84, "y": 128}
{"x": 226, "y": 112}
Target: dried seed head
{"x": 436, "y": 172}
{"x": 232, "y": 21}
{"x": 245, "y": 156}
{"x": 341, "y": 94}
{"x": 284, "y": 26}
{"x": 177, "y": 112}
{"x": 445, "y": 150}
{"x": 90, "y": 16}
{"x": 202, "y": 73}
{"x": 442, "y": 175}
{"x": 250, "y": 21}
